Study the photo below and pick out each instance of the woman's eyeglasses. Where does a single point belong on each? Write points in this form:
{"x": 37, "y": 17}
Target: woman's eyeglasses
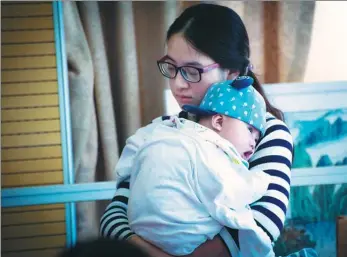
{"x": 189, "y": 73}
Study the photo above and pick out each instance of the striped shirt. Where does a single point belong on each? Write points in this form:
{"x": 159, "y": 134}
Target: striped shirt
{"x": 273, "y": 155}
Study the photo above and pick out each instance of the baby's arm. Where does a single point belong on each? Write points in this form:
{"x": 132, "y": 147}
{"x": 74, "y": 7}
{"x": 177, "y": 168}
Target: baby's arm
{"x": 114, "y": 222}
{"x": 225, "y": 188}
{"x": 132, "y": 145}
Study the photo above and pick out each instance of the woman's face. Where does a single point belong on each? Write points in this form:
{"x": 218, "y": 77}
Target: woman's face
{"x": 179, "y": 53}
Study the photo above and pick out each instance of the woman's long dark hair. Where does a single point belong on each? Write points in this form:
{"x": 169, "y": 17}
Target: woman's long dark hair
{"x": 219, "y": 32}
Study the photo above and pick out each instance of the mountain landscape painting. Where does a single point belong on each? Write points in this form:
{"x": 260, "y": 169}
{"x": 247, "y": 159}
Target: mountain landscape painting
{"x": 320, "y": 140}
{"x": 311, "y": 221}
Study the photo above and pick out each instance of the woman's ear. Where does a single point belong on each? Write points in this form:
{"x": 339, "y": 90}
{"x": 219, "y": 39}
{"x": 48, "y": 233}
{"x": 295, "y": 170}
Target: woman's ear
{"x": 217, "y": 122}
{"x": 233, "y": 75}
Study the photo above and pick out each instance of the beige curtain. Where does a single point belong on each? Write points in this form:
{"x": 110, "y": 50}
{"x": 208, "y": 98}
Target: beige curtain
{"x": 294, "y": 30}
{"x": 91, "y": 101}
{"x": 295, "y": 38}
{"x": 115, "y": 87}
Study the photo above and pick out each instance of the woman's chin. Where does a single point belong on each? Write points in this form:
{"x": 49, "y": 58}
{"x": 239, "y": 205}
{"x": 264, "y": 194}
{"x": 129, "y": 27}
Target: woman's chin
{"x": 185, "y": 101}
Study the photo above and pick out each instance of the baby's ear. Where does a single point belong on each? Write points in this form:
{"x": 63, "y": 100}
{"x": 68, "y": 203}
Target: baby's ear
{"x": 217, "y": 122}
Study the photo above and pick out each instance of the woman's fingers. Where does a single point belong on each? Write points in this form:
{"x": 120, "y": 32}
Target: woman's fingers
{"x": 147, "y": 247}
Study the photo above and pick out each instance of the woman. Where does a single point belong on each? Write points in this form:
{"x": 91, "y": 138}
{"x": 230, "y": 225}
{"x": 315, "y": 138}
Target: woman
{"x": 208, "y": 43}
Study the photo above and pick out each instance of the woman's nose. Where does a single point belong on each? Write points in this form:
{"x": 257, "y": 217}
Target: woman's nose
{"x": 180, "y": 82}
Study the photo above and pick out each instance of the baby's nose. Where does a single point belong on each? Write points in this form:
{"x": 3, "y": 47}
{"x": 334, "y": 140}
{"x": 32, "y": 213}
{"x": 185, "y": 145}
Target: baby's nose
{"x": 252, "y": 143}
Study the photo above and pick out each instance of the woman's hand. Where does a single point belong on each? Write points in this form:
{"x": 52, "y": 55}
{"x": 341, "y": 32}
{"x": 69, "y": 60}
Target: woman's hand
{"x": 211, "y": 248}
{"x": 147, "y": 247}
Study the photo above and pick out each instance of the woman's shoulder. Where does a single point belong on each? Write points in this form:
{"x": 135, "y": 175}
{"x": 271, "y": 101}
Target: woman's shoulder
{"x": 276, "y": 144}
{"x": 149, "y": 128}
{"x": 277, "y": 130}
{"x": 181, "y": 114}
{"x": 275, "y": 123}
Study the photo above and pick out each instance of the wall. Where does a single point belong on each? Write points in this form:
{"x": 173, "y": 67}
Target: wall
{"x": 327, "y": 58}
{"x": 30, "y": 130}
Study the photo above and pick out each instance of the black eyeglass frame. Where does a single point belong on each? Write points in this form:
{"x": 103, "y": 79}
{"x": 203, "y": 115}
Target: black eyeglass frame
{"x": 179, "y": 69}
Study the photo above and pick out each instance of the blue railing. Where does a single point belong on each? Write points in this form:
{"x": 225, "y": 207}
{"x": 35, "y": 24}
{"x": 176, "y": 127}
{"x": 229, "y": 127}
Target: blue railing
{"x": 65, "y": 120}
{"x": 54, "y": 194}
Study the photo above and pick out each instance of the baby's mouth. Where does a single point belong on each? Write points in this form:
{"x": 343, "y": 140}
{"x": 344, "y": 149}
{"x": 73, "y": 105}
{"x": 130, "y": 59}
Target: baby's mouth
{"x": 247, "y": 155}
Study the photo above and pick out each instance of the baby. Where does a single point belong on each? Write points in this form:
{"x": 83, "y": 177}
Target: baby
{"x": 188, "y": 180}
{"x": 236, "y": 113}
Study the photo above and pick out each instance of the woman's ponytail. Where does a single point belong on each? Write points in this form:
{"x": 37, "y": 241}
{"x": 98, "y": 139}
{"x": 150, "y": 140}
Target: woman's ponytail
{"x": 269, "y": 107}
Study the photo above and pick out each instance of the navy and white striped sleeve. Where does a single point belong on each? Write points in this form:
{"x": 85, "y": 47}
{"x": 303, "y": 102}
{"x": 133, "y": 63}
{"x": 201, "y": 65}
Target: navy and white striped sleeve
{"x": 274, "y": 155}
{"x": 114, "y": 222}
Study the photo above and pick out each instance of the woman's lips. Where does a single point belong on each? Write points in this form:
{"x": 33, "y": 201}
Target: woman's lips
{"x": 184, "y": 99}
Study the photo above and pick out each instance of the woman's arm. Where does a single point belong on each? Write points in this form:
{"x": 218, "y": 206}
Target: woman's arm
{"x": 274, "y": 156}
{"x": 211, "y": 248}
{"x": 114, "y": 222}
{"x": 148, "y": 248}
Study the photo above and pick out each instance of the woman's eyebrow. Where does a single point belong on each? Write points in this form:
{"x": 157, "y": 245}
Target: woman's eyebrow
{"x": 168, "y": 57}
{"x": 186, "y": 63}
{"x": 193, "y": 64}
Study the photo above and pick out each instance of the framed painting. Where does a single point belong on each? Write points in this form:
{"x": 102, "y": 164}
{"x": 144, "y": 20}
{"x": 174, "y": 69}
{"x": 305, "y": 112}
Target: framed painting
{"x": 316, "y": 115}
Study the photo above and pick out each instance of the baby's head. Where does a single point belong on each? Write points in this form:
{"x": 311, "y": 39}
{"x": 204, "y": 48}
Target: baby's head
{"x": 236, "y": 111}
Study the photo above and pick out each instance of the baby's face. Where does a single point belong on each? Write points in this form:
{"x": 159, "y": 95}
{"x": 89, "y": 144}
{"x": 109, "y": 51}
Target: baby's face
{"x": 242, "y": 135}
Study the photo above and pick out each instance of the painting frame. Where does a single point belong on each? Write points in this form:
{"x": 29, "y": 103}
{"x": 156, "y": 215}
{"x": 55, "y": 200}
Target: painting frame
{"x": 309, "y": 97}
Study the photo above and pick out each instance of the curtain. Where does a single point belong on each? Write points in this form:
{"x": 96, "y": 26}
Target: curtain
{"x": 115, "y": 87}
{"x": 295, "y": 39}
{"x": 93, "y": 117}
